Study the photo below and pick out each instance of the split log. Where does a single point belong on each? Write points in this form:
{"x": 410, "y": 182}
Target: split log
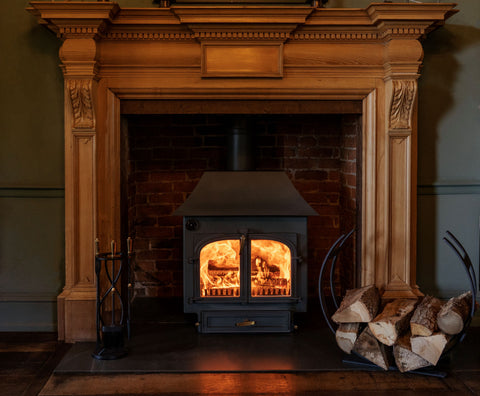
{"x": 371, "y": 349}
{"x": 392, "y": 321}
{"x": 431, "y": 347}
{"x": 424, "y": 319}
{"x": 405, "y": 359}
{"x": 346, "y": 335}
{"x": 452, "y": 315}
{"x": 358, "y": 305}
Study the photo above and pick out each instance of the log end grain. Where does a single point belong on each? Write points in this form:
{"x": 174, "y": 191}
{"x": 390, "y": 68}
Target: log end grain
{"x": 452, "y": 316}
{"x": 358, "y": 305}
{"x": 346, "y": 336}
{"x": 405, "y": 358}
{"x": 371, "y": 349}
{"x": 393, "y": 321}
{"x": 424, "y": 319}
{"x": 429, "y": 348}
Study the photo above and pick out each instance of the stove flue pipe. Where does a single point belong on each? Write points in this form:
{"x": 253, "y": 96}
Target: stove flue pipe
{"x": 240, "y": 145}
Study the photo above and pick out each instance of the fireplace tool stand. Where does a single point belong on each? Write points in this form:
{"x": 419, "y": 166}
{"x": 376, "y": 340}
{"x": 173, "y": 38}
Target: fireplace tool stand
{"x": 113, "y": 302}
{"x": 358, "y": 361}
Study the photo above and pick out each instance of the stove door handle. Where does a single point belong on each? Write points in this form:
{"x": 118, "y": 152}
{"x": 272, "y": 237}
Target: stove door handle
{"x": 243, "y": 238}
{"x": 245, "y": 323}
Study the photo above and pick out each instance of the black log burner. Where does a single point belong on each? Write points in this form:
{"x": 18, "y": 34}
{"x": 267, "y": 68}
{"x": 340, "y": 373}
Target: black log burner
{"x": 245, "y": 252}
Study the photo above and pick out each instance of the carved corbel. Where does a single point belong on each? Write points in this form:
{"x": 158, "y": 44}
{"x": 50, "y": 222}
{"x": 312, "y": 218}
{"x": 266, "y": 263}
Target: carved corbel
{"x": 81, "y": 99}
{"x": 401, "y": 106}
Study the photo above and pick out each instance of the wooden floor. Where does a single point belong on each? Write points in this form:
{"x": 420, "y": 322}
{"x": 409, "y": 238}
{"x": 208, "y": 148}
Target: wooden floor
{"x": 27, "y": 361}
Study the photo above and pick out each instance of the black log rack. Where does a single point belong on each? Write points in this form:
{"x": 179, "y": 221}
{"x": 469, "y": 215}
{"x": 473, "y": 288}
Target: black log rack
{"x": 113, "y": 303}
{"x": 357, "y": 361}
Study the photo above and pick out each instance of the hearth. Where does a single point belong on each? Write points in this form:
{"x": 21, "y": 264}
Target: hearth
{"x": 245, "y": 248}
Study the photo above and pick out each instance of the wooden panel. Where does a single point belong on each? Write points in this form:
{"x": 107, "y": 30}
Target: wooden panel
{"x": 400, "y": 207}
{"x": 84, "y": 148}
{"x": 317, "y": 54}
{"x": 242, "y": 60}
{"x": 108, "y": 169}
{"x": 79, "y": 318}
{"x": 368, "y": 191}
{"x": 240, "y": 107}
{"x": 158, "y": 54}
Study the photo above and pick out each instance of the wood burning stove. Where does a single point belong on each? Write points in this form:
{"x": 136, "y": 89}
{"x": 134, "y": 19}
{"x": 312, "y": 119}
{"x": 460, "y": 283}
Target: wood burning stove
{"x": 245, "y": 248}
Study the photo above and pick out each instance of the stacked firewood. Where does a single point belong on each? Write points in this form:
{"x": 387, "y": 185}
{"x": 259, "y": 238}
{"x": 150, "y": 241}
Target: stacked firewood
{"x": 415, "y": 332}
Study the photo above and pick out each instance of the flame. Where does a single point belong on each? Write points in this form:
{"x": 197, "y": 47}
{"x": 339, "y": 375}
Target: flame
{"x": 270, "y": 268}
{"x": 220, "y": 268}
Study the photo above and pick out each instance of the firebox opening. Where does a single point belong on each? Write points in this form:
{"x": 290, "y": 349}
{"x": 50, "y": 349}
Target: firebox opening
{"x": 270, "y": 268}
{"x": 166, "y": 155}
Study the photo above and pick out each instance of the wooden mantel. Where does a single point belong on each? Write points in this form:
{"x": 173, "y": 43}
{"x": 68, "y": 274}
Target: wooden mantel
{"x": 233, "y": 52}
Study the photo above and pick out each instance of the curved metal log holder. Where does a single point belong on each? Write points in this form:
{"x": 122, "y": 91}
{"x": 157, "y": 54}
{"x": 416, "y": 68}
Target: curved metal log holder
{"x": 359, "y": 361}
{"x": 332, "y": 256}
{"x": 113, "y": 309}
{"x": 462, "y": 254}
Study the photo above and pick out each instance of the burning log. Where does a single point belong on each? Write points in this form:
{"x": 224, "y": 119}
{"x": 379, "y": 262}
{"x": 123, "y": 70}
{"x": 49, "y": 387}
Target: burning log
{"x": 431, "y": 347}
{"x": 424, "y": 319}
{"x": 220, "y": 269}
{"x": 393, "y": 320}
{"x": 358, "y": 305}
{"x": 452, "y": 315}
{"x": 371, "y": 349}
{"x": 405, "y": 359}
{"x": 346, "y": 336}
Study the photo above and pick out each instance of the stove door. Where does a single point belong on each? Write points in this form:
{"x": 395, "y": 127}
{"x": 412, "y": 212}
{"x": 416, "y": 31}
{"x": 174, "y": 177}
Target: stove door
{"x": 220, "y": 268}
{"x": 270, "y": 268}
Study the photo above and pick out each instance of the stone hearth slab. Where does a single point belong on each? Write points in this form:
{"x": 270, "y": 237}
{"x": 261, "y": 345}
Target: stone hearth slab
{"x": 178, "y": 348}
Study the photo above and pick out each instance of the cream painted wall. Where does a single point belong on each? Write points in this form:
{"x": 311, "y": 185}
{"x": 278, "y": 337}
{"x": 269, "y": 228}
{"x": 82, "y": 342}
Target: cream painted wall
{"x": 31, "y": 160}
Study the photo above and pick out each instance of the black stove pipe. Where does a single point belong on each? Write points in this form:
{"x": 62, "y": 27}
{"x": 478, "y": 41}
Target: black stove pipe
{"x": 240, "y": 146}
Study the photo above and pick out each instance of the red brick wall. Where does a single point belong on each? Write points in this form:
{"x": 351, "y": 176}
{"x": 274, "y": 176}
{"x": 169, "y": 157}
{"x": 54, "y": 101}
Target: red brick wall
{"x": 168, "y": 154}
{"x": 349, "y": 191}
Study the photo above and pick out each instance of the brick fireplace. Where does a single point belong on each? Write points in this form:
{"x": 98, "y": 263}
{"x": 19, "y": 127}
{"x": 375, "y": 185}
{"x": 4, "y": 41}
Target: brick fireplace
{"x": 168, "y": 154}
{"x": 125, "y": 66}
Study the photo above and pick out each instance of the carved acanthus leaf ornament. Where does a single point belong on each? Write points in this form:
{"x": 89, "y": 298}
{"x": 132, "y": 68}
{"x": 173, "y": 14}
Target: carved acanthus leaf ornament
{"x": 82, "y": 103}
{"x": 401, "y": 108}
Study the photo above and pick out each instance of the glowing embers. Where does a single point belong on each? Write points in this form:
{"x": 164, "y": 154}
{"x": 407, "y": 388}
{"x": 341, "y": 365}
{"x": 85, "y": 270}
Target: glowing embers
{"x": 220, "y": 269}
{"x": 270, "y": 268}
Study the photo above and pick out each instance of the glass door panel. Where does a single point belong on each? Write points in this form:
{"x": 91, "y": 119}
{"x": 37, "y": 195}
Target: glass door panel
{"x": 220, "y": 269}
{"x": 271, "y": 269}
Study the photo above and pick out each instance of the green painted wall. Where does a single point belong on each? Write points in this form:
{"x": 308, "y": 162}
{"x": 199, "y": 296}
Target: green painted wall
{"x": 449, "y": 142}
{"x": 31, "y": 160}
{"x": 31, "y": 172}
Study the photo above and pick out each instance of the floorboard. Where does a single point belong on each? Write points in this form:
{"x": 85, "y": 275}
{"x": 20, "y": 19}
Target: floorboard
{"x": 304, "y": 363}
{"x": 357, "y": 382}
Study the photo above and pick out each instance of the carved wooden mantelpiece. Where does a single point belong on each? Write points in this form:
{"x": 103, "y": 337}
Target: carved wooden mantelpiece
{"x": 270, "y": 53}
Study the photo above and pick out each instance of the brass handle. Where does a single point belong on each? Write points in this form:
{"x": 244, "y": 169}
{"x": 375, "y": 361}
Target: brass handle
{"x": 245, "y": 323}
{"x": 97, "y": 246}
{"x": 129, "y": 245}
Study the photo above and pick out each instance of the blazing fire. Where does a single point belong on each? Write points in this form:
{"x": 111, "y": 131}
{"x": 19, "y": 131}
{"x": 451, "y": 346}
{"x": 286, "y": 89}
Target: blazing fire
{"x": 220, "y": 268}
{"x": 270, "y": 268}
